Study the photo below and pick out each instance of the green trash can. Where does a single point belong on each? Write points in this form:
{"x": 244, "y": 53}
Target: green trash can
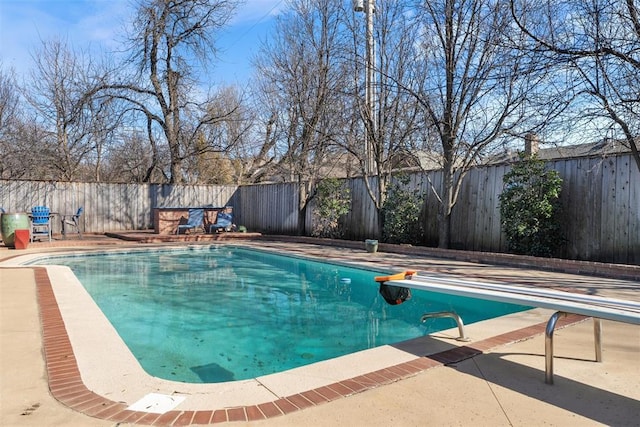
{"x": 9, "y": 223}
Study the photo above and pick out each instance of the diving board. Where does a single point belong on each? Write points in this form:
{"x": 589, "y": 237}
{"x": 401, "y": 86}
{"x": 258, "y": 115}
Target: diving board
{"x": 562, "y": 302}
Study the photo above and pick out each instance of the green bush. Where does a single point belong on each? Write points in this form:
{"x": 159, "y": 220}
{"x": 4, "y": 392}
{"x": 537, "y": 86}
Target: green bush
{"x": 401, "y": 213}
{"x": 530, "y": 207}
{"x": 332, "y": 201}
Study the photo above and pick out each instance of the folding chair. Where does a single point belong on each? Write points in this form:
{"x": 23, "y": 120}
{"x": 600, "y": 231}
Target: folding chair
{"x": 72, "y": 221}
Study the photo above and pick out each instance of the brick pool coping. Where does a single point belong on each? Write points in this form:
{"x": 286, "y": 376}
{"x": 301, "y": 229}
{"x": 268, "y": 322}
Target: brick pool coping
{"x": 67, "y": 386}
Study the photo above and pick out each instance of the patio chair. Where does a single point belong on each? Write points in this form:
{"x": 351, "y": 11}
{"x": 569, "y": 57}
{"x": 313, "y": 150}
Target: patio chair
{"x": 196, "y": 219}
{"x": 40, "y": 222}
{"x": 72, "y": 221}
{"x": 224, "y": 222}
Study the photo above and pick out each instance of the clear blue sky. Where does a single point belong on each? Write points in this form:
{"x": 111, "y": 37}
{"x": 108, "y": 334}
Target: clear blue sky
{"x": 88, "y": 24}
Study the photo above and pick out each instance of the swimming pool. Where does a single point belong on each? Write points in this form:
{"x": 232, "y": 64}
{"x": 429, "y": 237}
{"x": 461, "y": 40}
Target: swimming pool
{"x": 224, "y": 313}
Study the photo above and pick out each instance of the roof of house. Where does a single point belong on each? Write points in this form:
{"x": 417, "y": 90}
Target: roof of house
{"x": 603, "y": 148}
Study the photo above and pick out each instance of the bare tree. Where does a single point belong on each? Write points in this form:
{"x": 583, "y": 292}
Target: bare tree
{"x": 68, "y": 125}
{"x": 468, "y": 77}
{"x": 254, "y": 163}
{"x": 129, "y": 159}
{"x": 302, "y": 80}
{"x": 224, "y": 140}
{"x": 595, "y": 45}
{"x": 169, "y": 40}
{"x": 9, "y": 100}
{"x": 9, "y": 122}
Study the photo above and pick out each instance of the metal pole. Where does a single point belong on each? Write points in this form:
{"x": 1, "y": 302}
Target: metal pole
{"x": 371, "y": 116}
{"x": 597, "y": 336}
{"x": 548, "y": 346}
{"x": 370, "y": 82}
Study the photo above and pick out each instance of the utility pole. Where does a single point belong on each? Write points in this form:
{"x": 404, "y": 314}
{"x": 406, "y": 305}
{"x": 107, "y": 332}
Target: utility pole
{"x": 371, "y": 115}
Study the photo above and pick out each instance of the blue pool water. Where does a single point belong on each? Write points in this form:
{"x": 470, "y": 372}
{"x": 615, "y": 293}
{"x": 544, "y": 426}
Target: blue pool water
{"x": 225, "y": 313}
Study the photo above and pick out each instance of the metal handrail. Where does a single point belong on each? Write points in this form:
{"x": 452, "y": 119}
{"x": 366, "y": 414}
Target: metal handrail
{"x": 452, "y": 315}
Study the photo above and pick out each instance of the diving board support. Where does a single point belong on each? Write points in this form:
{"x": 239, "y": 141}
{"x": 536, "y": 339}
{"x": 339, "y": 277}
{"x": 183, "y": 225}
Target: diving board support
{"x": 597, "y": 336}
{"x": 548, "y": 346}
{"x": 454, "y": 316}
{"x": 548, "y": 343}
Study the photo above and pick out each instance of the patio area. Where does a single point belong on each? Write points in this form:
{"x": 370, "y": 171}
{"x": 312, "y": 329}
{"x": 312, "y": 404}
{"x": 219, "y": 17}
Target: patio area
{"x": 500, "y": 382}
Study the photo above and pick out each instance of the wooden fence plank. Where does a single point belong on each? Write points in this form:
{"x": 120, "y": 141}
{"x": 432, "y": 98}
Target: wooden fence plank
{"x": 484, "y": 208}
{"x": 622, "y": 208}
{"x": 607, "y": 207}
{"x": 594, "y": 184}
{"x": 497, "y": 239}
{"x": 583, "y": 209}
{"x": 567, "y": 198}
{"x": 634, "y": 215}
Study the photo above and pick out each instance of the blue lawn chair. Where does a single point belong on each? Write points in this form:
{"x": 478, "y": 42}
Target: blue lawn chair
{"x": 196, "y": 219}
{"x": 224, "y": 222}
{"x": 40, "y": 222}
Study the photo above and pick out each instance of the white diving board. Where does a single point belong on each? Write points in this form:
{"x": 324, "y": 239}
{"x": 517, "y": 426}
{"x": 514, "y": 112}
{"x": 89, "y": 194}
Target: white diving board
{"x": 562, "y": 302}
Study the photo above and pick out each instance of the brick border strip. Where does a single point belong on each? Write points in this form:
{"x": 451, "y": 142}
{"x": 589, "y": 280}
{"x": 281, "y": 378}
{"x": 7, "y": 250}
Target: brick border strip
{"x": 66, "y": 385}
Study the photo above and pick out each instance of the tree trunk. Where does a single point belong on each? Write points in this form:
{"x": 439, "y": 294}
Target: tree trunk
{"x": 302, "y": 220}
{"x": 444, "y": 210}
{"x": 303, "y": 194}
{"x": 446, "y": 202}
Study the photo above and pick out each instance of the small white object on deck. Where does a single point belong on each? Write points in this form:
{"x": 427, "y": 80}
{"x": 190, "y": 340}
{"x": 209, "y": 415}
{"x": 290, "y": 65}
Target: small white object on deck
{"x": 156, "y": 403}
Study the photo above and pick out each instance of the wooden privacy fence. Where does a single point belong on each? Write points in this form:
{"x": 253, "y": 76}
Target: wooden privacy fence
{"x": 600, "y": 199}
{"x": 108, "y": 207}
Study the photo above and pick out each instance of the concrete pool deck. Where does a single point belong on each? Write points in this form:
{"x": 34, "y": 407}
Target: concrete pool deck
{"x": 502, "y": 386}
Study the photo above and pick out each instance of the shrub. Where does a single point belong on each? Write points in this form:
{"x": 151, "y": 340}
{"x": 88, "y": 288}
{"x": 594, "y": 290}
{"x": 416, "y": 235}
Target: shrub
{"x": 529, "y": 208}
{"x": 401, "y": 213}
{"x": 332, "y": 201}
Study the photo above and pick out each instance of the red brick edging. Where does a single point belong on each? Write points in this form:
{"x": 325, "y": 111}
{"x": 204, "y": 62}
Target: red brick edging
{"x": 67, "y": 386}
